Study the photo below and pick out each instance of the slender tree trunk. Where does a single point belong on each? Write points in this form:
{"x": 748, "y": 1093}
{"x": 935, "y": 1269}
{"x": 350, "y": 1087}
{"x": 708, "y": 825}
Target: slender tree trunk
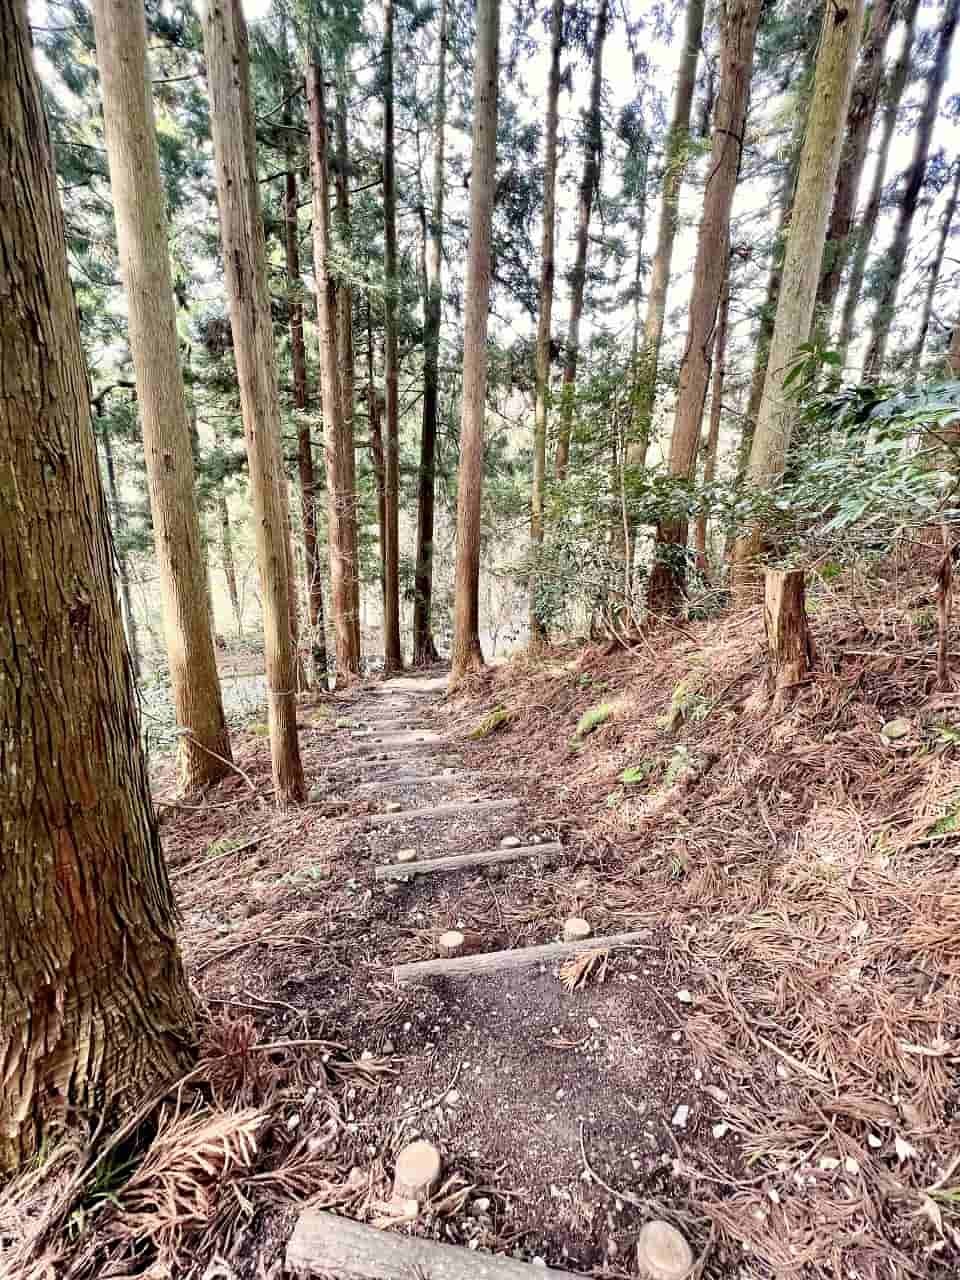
{"x": 589, "y": 182}
{"x": 204, "y": 744}
{"x": 345, "y": 346}
{"x": 375, "y": 402}
{"x": 336, "y": 443}
{"x": 863, "y": 107}
{"x": 467, "y": 654}
{"x": 896, "y": 257}
{"x": 933, "y": 271}
{"x": 713, "y": 432}
{"x": 675, "y": 162}
{"x": 538, "y": 626}
{"x": 393, "y": 656}
{"x": 833, "y": 80}
{"x": 424, "y": 649}
{"x": 863, "y": 236}
{"x": 123, "y": 568}
{"x": 95, "y": 1010}
{"x": 665, "y": 594}
{"x": 244, "y": 258}
{"x": 195, "y": 456}
{"x": 298, "y": 360}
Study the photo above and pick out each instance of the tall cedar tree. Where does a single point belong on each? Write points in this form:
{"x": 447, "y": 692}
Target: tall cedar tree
{"x": 393, "y": 656}
{"x": 424, "y": 649}
{"x": 467, "y": 654}
{"x": 244, "y": 260}
{"x": 298, "y": 361}
{"x": 740, "y": 19}
{"x": 933, "y": 269}
{"x": 589, "y": 185}
{"x": 674, "y": 166}
{"x": 204, "y": 745}
{"x": 341, "y": 503}
{"x": 819, "y": 162}
{"x": 713, "y": 430}
{"x": 538, "y": 630}
{"x": 896, "y": 257}
{"x": 863, "y": 108}
{"x": 863, "y": 236}
{"x": 95, "y": 1010}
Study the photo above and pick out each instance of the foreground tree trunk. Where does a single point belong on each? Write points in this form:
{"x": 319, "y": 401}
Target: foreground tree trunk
{"x": 341, "y": 512}
{"x": 538, "y": 627}
{"x": 204, "y": 744}
{"x": 467, "y": 654}
{"x": 789, "y": 647}
{"x": 675, "y": 163}
{"x": 899, "y": 78}
{"x": 833, "y": 79}
{"x": 393, "y": 655}
{"x": 95, "y": 1010}
{"x": 424, "y": 649}
{"x": 665, "y": 593}
{"x": 863, "y": 107}
{"x": 244, "y": 258}
{"x": 589, "y": 182}
{"x": 713, "y": 432}
{"x": 896, "y": 257}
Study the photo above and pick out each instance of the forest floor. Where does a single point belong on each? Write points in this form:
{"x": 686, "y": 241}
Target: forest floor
{"x": 773, "y": 1068}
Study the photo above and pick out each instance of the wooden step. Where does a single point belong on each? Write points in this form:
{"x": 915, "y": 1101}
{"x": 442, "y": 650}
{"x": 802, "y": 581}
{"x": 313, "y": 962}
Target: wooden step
{"x": 457, "y": 861}
{"x": 518, "y": 958}
{"x": 464, "y": 809}
{"x": 410, "y": 778}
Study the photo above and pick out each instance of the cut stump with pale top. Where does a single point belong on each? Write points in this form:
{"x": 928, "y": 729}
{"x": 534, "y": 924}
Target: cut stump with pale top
{"x": 417, "y": 1171}
{"x": 663, "y": 1253}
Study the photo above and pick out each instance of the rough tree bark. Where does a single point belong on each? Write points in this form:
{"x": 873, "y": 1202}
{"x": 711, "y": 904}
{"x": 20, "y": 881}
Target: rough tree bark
{"x": 204, "y": 744}
{"x": 424, "y": 649}
{"x": 467, "y": 655}
{"x": 675, "y": 162}
{"x": 95, "y": 1010}
{"x": 789, "y": 648}
{"x": 713, "y": 432}
{"x": 589, "y": 183}
{"x": 341, "y": 511}
{"x": 538, "y": 628}
{"x": 863, "y": 107}
{"x": 863, "y": 236}
{"x": 933, "y": 271}
{"x": 665, "y": 592}
{"x": 244, "y": 259}
{"x": 819, "y": 161}
{"x": 298, "y": 361}
{"x": 393, "y": 655}
{"x": 896, "y": 257}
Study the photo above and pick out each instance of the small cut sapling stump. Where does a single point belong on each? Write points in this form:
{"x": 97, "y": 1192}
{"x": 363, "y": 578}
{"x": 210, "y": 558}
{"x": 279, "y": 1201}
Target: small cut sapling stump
{"x": 789, "y": 646}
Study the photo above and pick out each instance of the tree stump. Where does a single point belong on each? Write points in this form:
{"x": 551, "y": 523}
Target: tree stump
{"x": 451, "y": 943}
{"x": 417, "y": 1171}
{"x": 576, "y": 929}
{"x": 663, "y": 1253}
{"x": 789, "y": 645}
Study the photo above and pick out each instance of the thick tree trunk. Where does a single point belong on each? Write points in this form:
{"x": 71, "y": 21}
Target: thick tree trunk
{"x": 123, "y": 568}
{"x": 863, "y": 236}
{"x": 538, "y": 627}
{"x": 713, "y": 432}
{"x": 204, "y": 744}
{"x": 675, "y": 163}
{"x": 424, "y": 649}
{"x": 393, "y": 655}
{"x": 933, "y": 271}
{"x": 94, "y": 1006}
{"x": 345, "y": 345}
{"x": 337, "y": 445}
{"x": 863, "y": 107}
{"x": 244, "y": 258}
{"x": 833, "y": 79}
{"x": 665, "y": 594}
{"x": 589, "y": 182}
{"x": 789, "y": 647}
{"x": 467, "y": 654}
{"x": 308, "y": 484}
{"x": 896, "y": 257}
